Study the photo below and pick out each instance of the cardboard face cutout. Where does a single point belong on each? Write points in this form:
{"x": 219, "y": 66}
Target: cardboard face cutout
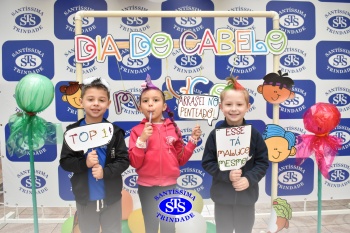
{"x": 277, "y": 88}
{"x": 280, "y": 143}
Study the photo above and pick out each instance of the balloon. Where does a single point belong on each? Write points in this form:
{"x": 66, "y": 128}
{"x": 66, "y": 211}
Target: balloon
{"x": 135, "y": 222}
{"x": 125, "y": 227}
{"x": 211, "y": 228}
{"x": 67, "y": 225}
{"x": 127, "y": 204}
{"x": 197, "y": 204}
{"x": 197, "y": 224}
{"x": 34, "y": 93}
{"x": 321, "y": 118}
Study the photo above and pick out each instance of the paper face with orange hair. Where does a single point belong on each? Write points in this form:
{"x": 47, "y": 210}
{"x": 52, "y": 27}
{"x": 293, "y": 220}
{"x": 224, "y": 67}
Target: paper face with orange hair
{"x": 280, "y": 143}
{"x": 277, "y": 88}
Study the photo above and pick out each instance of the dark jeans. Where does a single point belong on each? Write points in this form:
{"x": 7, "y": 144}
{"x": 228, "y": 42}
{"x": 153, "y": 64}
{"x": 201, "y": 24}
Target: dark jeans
{"x": 234, "y": 217}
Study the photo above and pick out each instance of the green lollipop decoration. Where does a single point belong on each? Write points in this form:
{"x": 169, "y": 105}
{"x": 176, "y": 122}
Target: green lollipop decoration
{"x": 29, "y": 132}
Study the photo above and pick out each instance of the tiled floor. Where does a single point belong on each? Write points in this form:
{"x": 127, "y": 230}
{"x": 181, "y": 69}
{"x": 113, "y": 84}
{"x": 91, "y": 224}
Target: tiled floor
{"x": 300, "y": 222}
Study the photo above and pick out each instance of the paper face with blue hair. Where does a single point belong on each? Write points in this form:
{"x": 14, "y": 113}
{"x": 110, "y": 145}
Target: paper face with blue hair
{"x": 280, "y": 143}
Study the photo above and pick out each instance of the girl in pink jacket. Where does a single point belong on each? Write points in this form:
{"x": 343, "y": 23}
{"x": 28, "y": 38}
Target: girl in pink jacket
{"x": 156, "y": 151}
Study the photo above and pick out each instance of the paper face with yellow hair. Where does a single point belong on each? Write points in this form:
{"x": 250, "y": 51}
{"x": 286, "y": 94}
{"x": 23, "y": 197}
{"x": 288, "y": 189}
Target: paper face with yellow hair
{"x": 280, "y": 143}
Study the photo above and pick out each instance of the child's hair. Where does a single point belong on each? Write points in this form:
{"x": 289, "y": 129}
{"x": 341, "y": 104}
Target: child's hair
{"x": 148, "y": 85}
{"x": 233, "y": 84}
{"x": 95, "y": 82}
{"x": 278, "y": 79}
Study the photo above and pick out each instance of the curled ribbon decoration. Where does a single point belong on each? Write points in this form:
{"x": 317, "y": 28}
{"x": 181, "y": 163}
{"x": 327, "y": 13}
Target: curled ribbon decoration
{"x": 123, "y": 97}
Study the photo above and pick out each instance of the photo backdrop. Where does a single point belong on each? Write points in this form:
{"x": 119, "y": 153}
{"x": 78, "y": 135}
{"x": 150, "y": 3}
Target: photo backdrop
{"x": 38, "y": 37}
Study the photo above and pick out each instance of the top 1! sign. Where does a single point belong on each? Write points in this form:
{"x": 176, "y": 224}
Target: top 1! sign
{"x": 233, "y": 146}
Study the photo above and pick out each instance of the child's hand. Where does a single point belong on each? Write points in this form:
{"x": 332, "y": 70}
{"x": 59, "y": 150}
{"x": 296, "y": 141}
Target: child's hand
{"x": 235, "y": 175}
{"x": 97, "y": 171}
{"x": 241, "y": 184}
{"x": 196, "y": 132}
{"x": 147, "y": 132}
{"x": 91, "y": 159}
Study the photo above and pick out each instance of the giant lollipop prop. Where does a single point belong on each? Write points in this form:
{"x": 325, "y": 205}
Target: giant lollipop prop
{"x": 28, "y": 132}
{"x": 319, "y": 119}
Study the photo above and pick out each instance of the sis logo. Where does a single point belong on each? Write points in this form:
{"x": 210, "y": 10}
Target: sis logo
{"x": 193, "y": 177}
{"x": 130, "y": 107}
{"x": 333, "y": 59}
{"x": 64, "y": 184}
{"x": 64, "y": 18}
{"x": 130, "y": 180}
{"x": 338, "y": 22}
{"x": 293, "y": 61}
{"x": 186, "y": 64}
{"x": 340, "y": 97}
{"x": 252, "y": 96}
{"x": 293, "y": 179}
{"x": 133, "y": 69}
{"x": 342, "y": 131}
{"x": 296, "y": 130}
{"x": 247, "y": 67}
{"x": 176, "y": 26}
{"x": 88, "y": 67}
{"x": 339, "y": 174}
{"x": 26, "y": 182}
{"x": 240, "y": 22}
{"x": 27, "y": 19}
{"x": 47, "y": 153}
{"x": 186, "y": 134}
{"x": 133, "y": 24}
{"x": 305, "y": 97}
{"x": 297, "y": 19}
{"x": 23, "y": 57}
{"x": 175, "y": 205}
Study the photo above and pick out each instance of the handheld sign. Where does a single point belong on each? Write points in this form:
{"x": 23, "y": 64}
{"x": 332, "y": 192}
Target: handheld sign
{"x": 89, "y": 136}
{"x": 199, "y": 107}
{"x": 233, "y": 146}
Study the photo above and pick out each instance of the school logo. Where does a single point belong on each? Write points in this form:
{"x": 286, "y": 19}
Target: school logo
{"x": 247, "y": 67}
{"x": 293, "y": 179}
{"x": 342, "y": 131}
{"x": 338, "y": 22}
{"x": 64, "y": 18}
{"x": 27, "y": 20}
{"x": 297, "y": 131}
{"x": 130, "y": 107}
{"x": 305, "y": 97}
{"x": 333, "y": 59}
{"x": 25, "y": 182}
{"x": 340, "y": 97}
{"x": 297, "y": 19}
{"x": 252, "y": 96}
{"x": 175, "y": 205}
{"x": 88, "y": 67}
{"x": 20, "y": 58}
{"x": 339, "y": 174}
{"x": 293, "y": 60}
{"x": 64, "y": 185}
{"x": 47, "y": 153}
{"x": 176, "y": 26}
{"x": 186, "y": 64}
{"x": 240, "y": 22}
{"x": 133, "y": 69}
{"x": 130, "y": 180}
{"x": 134, "y": 24}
